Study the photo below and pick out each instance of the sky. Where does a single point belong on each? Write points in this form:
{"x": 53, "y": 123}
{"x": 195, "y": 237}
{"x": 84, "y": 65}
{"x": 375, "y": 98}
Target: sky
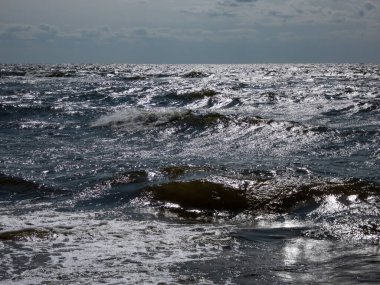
{"x": 189, "y": 31}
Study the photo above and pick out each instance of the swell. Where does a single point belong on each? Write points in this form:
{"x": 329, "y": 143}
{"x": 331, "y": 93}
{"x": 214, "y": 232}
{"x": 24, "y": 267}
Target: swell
{"x": 15, "y": 188}
{"x": 358, "y": 108}
{"x": 190, "y": 96}
{"x": 210, "y": 190}
{"x": 346, "y": 209}
{"x": 200, "y": 195}
{"x": 26, "y": 234}
{"x": 133, "y": 118}
{"x": 338, "y": 209}
{"x": 259, "y": 198}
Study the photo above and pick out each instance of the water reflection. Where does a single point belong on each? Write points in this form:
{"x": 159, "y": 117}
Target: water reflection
{"x": 321, "y": 261}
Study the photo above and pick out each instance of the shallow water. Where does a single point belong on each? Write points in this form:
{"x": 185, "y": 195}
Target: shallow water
{"x": 233, "y": 174}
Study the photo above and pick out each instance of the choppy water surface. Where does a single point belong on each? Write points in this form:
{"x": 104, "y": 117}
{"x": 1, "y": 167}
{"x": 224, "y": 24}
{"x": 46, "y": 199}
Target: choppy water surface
{"x": 211, "y": 174}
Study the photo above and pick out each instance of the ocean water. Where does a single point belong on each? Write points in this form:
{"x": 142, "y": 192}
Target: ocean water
{"x": 189, "y": 174}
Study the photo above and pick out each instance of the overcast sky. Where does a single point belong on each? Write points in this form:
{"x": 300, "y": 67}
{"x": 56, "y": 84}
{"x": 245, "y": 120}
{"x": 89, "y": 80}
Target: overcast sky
{"x": 189, "y": 31}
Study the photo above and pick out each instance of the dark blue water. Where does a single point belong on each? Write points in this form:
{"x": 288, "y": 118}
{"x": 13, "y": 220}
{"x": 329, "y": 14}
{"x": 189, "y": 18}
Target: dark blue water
{"x": 237, "y": 174}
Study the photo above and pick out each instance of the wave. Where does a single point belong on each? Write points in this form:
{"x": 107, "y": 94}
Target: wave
{"x": 183, "y": 120}
{"x": 201, "y": 195}
{"x": 195, "y": 74}
{"x": 354, "y": 109}
{"x": 332, "y": 206}
{"x": 135, "y": 119}
{"x": 259, "y": 197}
{"x": 256, "y": 191}
{"x": 15, "y": 188}
{"x": 60, "y": 73}
{"x": 6, "y": 73}
{"x": 190, "y": 96}
{"x": 27, "y": 234}
{"x": 138, "y": 119}
{"x": 337, "y": 209}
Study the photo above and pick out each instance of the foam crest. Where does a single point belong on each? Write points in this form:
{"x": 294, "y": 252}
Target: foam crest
{"x": 135, "y": 118}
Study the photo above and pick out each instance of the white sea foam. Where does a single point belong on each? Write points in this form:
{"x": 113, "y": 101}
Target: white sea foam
{"x": 136, "y": 118}
{"x": 88, "y": 249}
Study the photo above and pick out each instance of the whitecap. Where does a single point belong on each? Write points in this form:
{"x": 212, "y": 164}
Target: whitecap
{"x": 139, "y": 118}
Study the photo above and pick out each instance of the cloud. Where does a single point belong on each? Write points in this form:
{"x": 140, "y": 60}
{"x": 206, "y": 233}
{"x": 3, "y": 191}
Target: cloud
{"x": 369, "y": 6}
{"x": 16, "y": 31}
{"x": 46, "y": 32}
{"x": 207, "y": 12}
{"x": 28, "y": 32}
{"x": 235, "y": 3}
{"x": 217, "y": 13}
{"x": 194, "y": 35}
{"x": 97, "y": 33}
{"x": 48, "y": 28}
{"x": 281, "y": 15}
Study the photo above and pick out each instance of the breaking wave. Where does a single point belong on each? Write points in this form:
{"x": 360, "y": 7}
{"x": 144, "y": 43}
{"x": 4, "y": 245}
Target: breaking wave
{"x": 136, "y": 119}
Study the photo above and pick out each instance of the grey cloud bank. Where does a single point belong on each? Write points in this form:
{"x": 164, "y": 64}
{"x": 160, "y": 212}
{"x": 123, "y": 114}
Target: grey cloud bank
{"x": 172, "y": 31}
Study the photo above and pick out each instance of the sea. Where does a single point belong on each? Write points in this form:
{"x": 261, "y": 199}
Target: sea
{"x": 190, "y": 174}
